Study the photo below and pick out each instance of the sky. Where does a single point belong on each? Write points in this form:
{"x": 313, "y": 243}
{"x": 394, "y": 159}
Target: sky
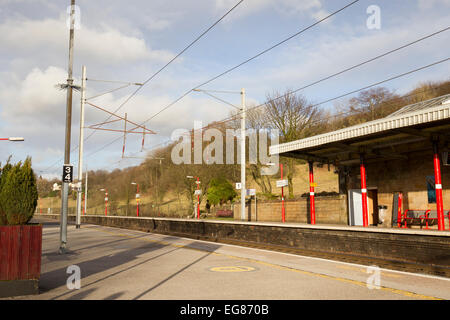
{"x": 129, "y": 41}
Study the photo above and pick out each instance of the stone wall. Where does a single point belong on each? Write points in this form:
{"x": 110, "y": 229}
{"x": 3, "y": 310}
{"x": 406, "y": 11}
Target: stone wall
{"x": 329, "y": 210}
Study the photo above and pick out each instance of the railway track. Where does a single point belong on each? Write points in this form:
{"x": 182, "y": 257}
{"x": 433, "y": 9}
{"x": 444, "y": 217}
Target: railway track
{"x": 437, "y": 270}
{"x": 406, "y": 266}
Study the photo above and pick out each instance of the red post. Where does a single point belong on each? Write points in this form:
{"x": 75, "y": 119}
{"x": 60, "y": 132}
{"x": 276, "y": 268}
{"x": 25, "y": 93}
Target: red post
{"x": 106, "y": 203}
{"x": 137, "y": 200}
{"x": 137, "y": 213}
{"x": 399, "y": 210}
{"x": 198, "y": 198}
{"x": 438, "y": 186}
{"x": 364, "y": 191}
{"x": 312, "y": 205}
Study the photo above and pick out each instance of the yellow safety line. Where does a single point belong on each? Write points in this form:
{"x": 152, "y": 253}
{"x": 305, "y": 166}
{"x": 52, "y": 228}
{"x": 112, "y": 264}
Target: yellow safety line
{"x": 355, "y": 282}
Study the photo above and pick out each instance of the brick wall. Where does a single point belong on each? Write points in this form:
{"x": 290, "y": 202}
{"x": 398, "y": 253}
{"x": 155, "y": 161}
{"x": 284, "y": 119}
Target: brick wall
{"x": 329, "y": 210}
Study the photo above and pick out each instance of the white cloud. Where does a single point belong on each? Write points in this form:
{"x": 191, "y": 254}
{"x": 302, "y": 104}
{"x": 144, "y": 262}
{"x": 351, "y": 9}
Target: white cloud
{"x": 427, "y": 4}
{"x": 313, "y": 8}
{"x": 105, "y": 45}
{"x": 35, "y": 97}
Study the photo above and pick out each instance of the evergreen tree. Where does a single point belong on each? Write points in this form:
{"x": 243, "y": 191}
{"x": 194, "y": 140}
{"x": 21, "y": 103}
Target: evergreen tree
{"x": 18, "y": 193}
{"x": 3, "y": 173}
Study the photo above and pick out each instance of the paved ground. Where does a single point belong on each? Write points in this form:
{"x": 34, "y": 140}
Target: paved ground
{"x": 126, "y": 264}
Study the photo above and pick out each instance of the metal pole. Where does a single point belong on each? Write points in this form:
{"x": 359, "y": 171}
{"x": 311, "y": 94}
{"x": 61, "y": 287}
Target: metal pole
{"x": 256, "y": 208}
{"x": 80, "y": 147}
{"x": 65, "y": 187}
{"x": 311, "y": 193}
{"x": 438, "y": 187}
{"x": 124, "y": 136}
{"x": 283, "y": 216}
{"x": 243, "y": 188}
{"x": 86, "y": 192}
{"x": 364, "y": 191}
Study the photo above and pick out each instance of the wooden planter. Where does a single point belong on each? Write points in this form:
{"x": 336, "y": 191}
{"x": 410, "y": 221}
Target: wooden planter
{"x": 20, "y": 259}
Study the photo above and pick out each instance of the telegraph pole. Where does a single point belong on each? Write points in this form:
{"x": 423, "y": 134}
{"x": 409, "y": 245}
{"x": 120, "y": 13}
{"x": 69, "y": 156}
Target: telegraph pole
{"x": 65, "y": 187}
{"x": 243, "y": 188}
{"x": 80, "y": 148}
{"x": 86, "y": 192}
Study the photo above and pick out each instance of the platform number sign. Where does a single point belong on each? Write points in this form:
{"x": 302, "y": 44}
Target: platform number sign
{"x": 67, "y": 173}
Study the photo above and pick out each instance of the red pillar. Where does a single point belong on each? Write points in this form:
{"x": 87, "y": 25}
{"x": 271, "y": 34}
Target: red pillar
{"x": 137, "y": 200}
{"x": 283, "y": 214}
{"x": 198, "y": 198}
{"x": 399, "y": 210}
{"x": 364, "y": 191}
{"x": 438, "y": 186}
{"x": 106, "y": 204}
{"x": 311, "y": 193}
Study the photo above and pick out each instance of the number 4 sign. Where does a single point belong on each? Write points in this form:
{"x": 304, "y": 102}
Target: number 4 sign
{"x": 67, "y": 173}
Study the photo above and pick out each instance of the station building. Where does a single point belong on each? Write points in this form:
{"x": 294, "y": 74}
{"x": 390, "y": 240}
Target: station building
{"x": 393, "y": 172}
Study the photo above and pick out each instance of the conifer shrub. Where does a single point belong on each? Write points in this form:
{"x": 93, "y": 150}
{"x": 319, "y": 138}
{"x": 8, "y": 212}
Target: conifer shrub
{"x": 3, "y": 173}
{"x": 18, "y": 193}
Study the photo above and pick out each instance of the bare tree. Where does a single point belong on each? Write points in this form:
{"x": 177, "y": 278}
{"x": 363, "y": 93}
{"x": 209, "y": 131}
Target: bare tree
{"x": 294, "y": 117}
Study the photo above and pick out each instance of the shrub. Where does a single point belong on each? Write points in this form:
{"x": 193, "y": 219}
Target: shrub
{"x": 18, "y": 193}
{"x": 220, "y": 191}
{"x": 3, "y": 173}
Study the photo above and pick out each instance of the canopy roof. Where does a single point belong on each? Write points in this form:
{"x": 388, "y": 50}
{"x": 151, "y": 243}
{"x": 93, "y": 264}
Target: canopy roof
{"x": 407, "y": 130}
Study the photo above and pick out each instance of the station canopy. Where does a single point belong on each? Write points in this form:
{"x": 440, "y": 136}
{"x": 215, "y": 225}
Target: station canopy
{"x": 409, "y": 129}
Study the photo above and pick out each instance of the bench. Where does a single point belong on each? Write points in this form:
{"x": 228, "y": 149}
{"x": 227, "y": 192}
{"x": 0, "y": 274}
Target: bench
{"x": 224, "y": 213}
{"x": 421, "y": 217}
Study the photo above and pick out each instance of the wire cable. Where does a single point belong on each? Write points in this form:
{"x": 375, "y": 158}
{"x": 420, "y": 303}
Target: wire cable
{"x": 155, "y": 74}
{"x": 174, "y": 58}
{"x": 321, "y": 120}
{"x": 232, "y": 118}
{"x": 250, "y": 59}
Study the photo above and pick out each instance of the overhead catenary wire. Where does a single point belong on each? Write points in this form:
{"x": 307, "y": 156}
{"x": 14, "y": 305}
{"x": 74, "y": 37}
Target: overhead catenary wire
{"x": 233, "y": 118}
{"x": 352, "y": 67}
{"x": 321, "y": 120}
{"x": 177, "y": 56}
{"x": 141, "y": 85}
{"x": 110, "y": 91}
{"x": 250, "y": 59}
{"x": 115, "y": 81}
{"x": 311, "y": 84}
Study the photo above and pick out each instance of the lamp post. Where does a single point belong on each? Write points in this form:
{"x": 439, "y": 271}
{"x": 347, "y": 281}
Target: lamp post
{"x": 198, "y": 194}
{"x": 13, "y": 139}
{"x": 106, "y": 201}
{"x": 137, "y": 198}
